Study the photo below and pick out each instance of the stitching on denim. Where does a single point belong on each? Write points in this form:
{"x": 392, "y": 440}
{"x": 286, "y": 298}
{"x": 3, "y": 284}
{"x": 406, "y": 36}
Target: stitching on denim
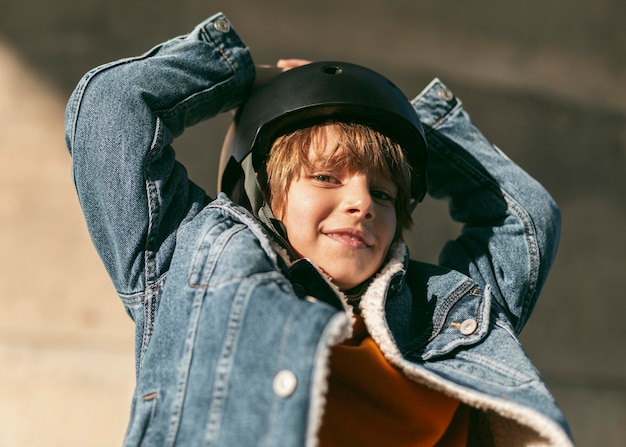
{"x": 513, "y": 206}
{"x": 225, "y": 360}
{"x": 498, "y": 321}
{"x": 212, "y": 257}
{"x": 278, "y": 277}
{"x": 206, "y": 35}
{"x": 427, "y": 90}
{"x": 484, "y": 302}
{"x": 132, "y": 299}
{"x": 279, "y": 361}
{"x": 225, "y": 56}
{"x": 530, "y": 236}
{"x": 182, "y": 378}
{"x": 448, "y": 303}
{"x": 150, "y": 261}
{"x": 478, "y": 308}
{"x": 226, "y": 208}
{"x": 184, "y": 105}
{"x": 511, "y": 373}
{"x": 451, "y": 113}
{"x": 83, "y": 84}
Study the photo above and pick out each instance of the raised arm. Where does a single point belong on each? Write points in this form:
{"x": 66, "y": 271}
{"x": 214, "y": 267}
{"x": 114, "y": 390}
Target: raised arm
{"x": 120, "y": 122}
{"x": 511, "y": 225}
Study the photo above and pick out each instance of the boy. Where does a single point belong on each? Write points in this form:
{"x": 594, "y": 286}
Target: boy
{"x": 298, "y": 318}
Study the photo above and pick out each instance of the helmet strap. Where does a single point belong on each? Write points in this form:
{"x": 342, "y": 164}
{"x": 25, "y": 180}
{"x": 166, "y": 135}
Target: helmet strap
{"x": 251, "y": 185}
{"x": 262, "y": 210}
{"x": 277, "y": 228}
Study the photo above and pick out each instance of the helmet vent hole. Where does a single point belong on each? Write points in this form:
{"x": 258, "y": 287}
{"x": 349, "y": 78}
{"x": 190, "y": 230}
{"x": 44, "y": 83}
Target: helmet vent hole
{"x": 332, "y": 69}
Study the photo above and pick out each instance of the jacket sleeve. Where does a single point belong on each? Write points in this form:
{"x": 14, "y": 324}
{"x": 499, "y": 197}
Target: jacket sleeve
{"x": 511, "y": 225}
{"x": 120, "y": 122}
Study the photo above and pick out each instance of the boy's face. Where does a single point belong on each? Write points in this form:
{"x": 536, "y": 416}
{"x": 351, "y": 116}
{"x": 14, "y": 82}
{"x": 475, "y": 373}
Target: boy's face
{"x": 342, "y": 221}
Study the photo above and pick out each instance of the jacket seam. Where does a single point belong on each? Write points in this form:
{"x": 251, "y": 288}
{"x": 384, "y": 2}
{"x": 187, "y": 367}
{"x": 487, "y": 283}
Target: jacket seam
{"x": 513, "y": 208}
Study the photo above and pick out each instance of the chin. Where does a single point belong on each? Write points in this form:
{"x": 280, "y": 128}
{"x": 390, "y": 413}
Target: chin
{"x": 350, "y": 284}
{"x": 346, "y": 279}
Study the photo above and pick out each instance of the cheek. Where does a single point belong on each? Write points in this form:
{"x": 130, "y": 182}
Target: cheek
{"x": 291, "y": 208}
{"x": 388, "y": 226}
{"x": 280, "y": 204}
{"x": 302, "y": 214}
{"x": 301, "y": 204}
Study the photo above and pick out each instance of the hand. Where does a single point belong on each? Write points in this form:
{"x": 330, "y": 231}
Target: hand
{"x": 266, "y": 72}
{"x": 288, "y": 64}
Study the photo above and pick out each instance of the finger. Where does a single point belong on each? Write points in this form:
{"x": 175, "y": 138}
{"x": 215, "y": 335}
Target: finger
{"x": 287, "y": 64}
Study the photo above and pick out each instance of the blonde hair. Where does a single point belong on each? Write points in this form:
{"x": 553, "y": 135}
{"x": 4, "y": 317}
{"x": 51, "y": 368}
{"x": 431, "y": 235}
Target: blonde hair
{"x": 360, "y": 149}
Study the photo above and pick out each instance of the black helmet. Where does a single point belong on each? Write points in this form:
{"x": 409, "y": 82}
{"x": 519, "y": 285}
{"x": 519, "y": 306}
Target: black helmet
{"x": 312, "y": 94}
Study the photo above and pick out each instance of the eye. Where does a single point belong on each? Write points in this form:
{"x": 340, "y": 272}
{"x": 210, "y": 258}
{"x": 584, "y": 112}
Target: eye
{"x": 325, "y": 178}
{"x": 382, "y": 196}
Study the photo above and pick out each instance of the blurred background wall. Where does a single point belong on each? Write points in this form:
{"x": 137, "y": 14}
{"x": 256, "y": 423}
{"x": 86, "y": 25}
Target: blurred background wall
{"x": 544, "y": 80}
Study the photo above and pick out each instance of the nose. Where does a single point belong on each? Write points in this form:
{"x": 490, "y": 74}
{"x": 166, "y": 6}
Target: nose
{"x": 358, "y": 201}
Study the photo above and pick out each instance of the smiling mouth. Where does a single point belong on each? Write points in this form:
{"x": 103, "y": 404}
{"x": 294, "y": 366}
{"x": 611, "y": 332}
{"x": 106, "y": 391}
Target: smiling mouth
{"x": 350, "y": 238}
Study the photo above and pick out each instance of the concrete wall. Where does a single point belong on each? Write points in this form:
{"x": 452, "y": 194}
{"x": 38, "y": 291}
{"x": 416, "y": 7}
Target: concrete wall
{"x": 544, "y": 80}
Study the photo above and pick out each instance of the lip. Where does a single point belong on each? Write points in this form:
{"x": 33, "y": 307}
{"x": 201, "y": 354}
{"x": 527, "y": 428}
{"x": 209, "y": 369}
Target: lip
{"x": 350, "y": 237}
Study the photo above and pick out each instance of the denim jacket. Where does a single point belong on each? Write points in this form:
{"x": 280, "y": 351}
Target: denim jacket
{"x": 233, "y": 339}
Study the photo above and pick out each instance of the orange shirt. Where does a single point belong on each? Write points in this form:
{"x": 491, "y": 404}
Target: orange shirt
{"x": 371, "y": 403}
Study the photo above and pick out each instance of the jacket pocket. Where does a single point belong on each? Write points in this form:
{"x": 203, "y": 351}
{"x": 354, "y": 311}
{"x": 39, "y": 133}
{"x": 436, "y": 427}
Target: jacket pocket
{"x": 461, "y": 321}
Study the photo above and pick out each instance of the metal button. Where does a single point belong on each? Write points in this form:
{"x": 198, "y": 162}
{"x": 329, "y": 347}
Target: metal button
{"x": 285, "y": 383}
{"x": 445, "y": 94}
{"x": 223, "y": 26}
{"x": 468, "y": 327}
